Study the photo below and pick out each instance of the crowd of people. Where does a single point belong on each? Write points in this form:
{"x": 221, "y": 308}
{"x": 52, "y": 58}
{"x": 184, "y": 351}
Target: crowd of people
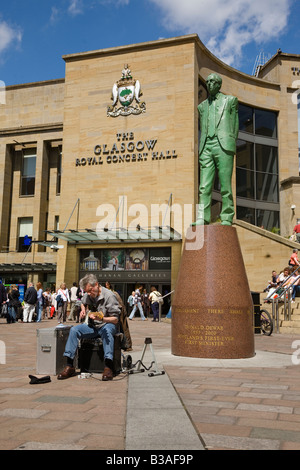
{"x": 145, "y": 302}
{"x": 289, "y": 277}
{"x": 65, "y": 304}
{"x": 98, "y": 310}
{"x": 40, "y": 304}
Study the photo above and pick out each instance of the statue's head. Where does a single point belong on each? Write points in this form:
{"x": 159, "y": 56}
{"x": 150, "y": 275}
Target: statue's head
{"x": 213, "y": 83}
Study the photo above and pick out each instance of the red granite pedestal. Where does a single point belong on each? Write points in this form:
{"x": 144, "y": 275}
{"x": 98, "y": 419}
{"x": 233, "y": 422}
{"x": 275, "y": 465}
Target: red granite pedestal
{"x": 212, "y": 309}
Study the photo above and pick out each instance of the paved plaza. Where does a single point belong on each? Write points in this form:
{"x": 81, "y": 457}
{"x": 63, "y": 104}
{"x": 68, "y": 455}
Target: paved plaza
{"x": 195, "y": 404}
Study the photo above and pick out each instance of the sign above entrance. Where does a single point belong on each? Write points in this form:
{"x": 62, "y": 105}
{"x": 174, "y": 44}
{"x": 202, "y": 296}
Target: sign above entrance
{"x": 133, "y": 276}
{"x": 128, "y": 259}
{"x": 126, "y": 150}
{"x": 127, "y": 265}
{"x": 126, "y": 92}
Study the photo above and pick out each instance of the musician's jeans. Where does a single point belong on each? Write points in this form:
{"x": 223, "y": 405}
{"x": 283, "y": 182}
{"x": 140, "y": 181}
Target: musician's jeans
{"x": 83, "y": 330}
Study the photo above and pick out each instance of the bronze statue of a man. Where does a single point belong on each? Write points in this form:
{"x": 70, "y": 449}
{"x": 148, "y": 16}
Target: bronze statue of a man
{"x": 219, "y": 126}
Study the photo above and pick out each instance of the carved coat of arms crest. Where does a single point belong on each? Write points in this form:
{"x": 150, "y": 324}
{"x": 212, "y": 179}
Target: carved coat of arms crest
{"x": 126, "y": 96}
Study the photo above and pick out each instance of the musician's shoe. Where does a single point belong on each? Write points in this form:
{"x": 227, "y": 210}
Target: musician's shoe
{"x": 67, "y": 373}
{"x": 107, "y": 374}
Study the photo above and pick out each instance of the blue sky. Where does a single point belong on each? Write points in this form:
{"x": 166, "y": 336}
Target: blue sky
{"x": 35, "y": 34}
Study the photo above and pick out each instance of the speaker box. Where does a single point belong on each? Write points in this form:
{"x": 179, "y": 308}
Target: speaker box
{"x": 91, "y": 355}
{"x": 51, "y": 344}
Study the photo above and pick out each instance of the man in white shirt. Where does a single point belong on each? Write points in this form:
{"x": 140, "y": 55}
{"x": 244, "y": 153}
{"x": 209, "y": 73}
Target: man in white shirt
{"x": 73, "y": 299}
{"x": 154, "y": 299}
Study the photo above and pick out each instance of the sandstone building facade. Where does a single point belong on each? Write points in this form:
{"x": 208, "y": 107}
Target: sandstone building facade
{"x": 99, "y": 169}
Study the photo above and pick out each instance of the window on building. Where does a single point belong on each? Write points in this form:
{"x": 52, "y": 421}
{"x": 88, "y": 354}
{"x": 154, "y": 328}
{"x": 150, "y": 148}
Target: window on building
{"x": 257, "y": 172}
{"x": 58, "y": 181}
{"x": 257, "y": 178}
{"x": 258, "y": 121}
{"x": 267, "y": 218}
{"x": 56, "y": 227}
{"x": 24, "y": 240}
{"x": 28, "y": 173}
{"x": 246, "y": 118}
{"x": 245, "y": 170}
{"x": 56, "y": 222}
{"x": 266, "y": 166}
{"x": 265, "y": 123}
{"x": 259, "y": 217}
{"x": 246, "y": 213}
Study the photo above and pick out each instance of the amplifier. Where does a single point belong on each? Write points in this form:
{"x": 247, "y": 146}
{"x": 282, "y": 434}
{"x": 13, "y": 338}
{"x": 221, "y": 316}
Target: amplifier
{"x": 91, "y": 355}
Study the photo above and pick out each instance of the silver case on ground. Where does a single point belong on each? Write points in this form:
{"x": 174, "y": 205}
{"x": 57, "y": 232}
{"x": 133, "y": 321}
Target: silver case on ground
{"x": 51, "y": 344}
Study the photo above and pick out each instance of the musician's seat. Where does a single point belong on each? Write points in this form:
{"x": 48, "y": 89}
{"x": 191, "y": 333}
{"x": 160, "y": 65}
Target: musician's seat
{"x": 91, "y": 355}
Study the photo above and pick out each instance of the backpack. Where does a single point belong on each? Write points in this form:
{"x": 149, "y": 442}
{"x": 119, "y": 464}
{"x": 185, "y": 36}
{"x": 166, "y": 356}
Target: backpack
{"x": 59, "y": 300}
{"x": 160, "y": 299}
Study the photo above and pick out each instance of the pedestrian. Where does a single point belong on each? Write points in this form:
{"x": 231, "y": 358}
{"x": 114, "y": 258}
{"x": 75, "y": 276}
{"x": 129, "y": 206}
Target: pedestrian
{"x": 283, "y": 281}
{"x": 13, "y": 304}
{"x": 30, "y": 299}
{"x": 294, "y": 262}
{"x": 62, "y": 300}
{"x": 79, "y": 295}
{"x": 46, "y": 303}
{"x": 154, "y": 299}
{"x": 73, "y": 300}
{"x": 296, "y": 285}
{"x": 3, "y": 297}
{"x": 53, "y": 307}
{"x": 283, "y": 275}
{"x": 137, "y": 304}
{"x": 40, "y": 301}
{"x": 297, "y": 232}
{"x": 272, "y": 284}
{"x": 169, "y": 315}
{"x": 130, "y": 302}
{"x": 146, "y": 303}
{"x": 115, "y": 263}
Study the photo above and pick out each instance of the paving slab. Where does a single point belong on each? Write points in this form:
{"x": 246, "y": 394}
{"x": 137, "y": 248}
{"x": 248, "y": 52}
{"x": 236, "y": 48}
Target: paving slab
{"x": 240, "y": 404}
{"x": 156, "y": 419}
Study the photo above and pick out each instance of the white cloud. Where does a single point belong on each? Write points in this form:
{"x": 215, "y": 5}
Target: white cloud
{"x": 226, "y": 27}
{"x": 75, "y": 7}
{"x": 55, "y": 13}
{"x": 116, "y": 3}
{"x": 79, "y": 7}
{"x": 8, "y": 36}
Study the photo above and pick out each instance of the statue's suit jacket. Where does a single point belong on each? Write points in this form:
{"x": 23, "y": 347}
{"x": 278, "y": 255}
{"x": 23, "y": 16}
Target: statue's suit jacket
{"x": 227, "y": 121}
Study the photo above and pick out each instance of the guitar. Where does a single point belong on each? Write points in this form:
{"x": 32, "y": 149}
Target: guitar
{"x": 98, "y": 316}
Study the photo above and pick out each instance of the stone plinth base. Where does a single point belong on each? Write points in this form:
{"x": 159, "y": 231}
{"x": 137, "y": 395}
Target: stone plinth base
{"x": 212, "y": 309}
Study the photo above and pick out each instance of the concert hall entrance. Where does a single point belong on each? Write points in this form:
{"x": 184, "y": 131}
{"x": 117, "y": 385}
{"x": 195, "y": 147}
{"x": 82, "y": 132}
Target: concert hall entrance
{"x": 128, "y": 269}
{"x": 125, "y": 290}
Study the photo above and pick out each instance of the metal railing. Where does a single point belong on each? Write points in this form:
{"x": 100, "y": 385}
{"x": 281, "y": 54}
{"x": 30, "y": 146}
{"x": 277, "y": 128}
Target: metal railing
{"x": 161, "y": 304}
{"x": 286, "y": 294}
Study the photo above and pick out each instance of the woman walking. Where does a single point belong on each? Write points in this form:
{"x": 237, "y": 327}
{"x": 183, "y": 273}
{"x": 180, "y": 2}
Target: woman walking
{"x": 62, "y": 300}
